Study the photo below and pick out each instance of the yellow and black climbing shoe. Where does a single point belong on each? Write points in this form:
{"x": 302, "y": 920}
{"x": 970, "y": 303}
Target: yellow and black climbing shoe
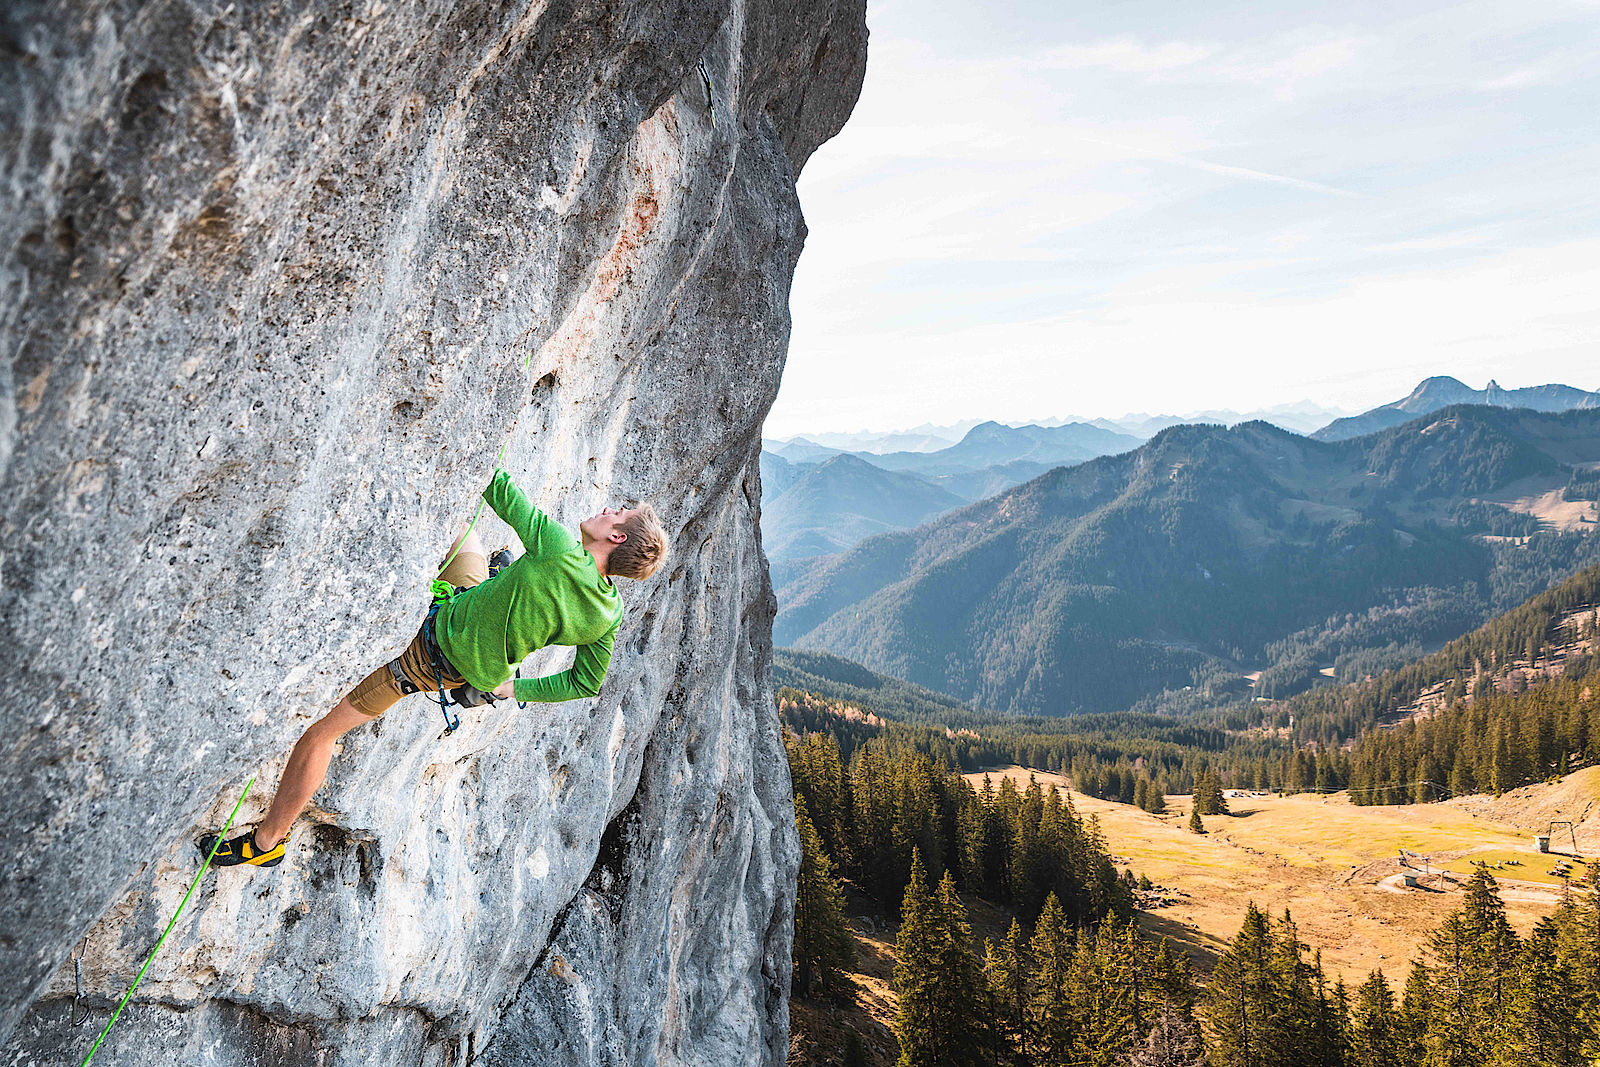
{"x": 242, "y": 849}
{"x": 499, "y": 561}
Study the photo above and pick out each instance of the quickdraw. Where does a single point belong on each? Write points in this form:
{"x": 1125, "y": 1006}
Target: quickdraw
{"x": 711, "y": 100}
{"x": 77, "y": 984}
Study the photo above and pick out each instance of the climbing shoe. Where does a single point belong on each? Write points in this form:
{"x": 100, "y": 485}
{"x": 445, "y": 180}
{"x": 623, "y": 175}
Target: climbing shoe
{"x": 499, "y": 561}
{"x": 242, "y": 849}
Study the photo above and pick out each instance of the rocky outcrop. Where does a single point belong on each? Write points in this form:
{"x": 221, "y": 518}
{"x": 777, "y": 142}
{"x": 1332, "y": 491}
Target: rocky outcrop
{"x": 279, "y": 282}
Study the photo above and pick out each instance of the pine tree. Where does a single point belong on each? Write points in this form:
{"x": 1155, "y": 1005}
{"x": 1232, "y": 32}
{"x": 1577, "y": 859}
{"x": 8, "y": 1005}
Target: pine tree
{"x": 943, "y": 1003}
{"x": 1475, "y": 952}
{"x": 918, "y": 1025}
{"x": 1052, "y": 1021}
{"x": 1290, "y": 1013}
{"x": 1547, "y": 1006}
{"x": 1172, "y": 979}
{"x": 1237, "y": 995}
{"x": 1415, "y": 1017}
{"x": 1195, "y": 825}
{"x": 1155, "y": 799}
{"x": 1108, "y": 1002}
{"x": 1373, "y": 1028}
{"x": 1330, "y": 1029}
{"x": 1007, "y": 967}
{"x": 1208, "y": 795}
{"x": 823, "y": 947}
{"x": 964, "y": 993}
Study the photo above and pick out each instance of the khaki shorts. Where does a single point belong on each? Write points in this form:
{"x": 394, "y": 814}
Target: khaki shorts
{"x": 380, "y": 689}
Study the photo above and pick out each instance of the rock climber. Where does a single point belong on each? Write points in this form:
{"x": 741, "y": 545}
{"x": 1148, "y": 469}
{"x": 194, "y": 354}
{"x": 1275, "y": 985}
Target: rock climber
{"x": 559, "y": 592}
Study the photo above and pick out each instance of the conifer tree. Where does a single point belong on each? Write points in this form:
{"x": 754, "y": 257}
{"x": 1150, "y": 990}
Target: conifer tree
{"x": 1195, "y": 825}
{"x": 1547, "y": 1006}
{"x": 1108, "y": 1002}
{"x": 964, "y": 993}
{"x": 1373, "y": 1035}
{"x": 1474, "y": 954}
{"x": 943, "y": 1004}
{"x": 1330, "y": 1037}
{"x": 823, "y": 947}
{"x": 1290, "y": 1009}
{"x": 1052, "y": 1022}
{"x": 918, "y": 1024}
{"x": 1237, "y": 997}
{"x": 1007, "y": 967}
{"x": 1172, "y": 979}
{"x": 1155, "y": 799}
{"x": 1415, "y": 1017}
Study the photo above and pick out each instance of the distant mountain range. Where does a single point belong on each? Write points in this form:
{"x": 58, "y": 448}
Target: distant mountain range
{"x": 817, "y": 500}
{"x": 830, "y": 506}
{"x": 1302, "y": 416}
{"x": 1094, "y": 586}
{"x": 838, "y": 505}
{"x": 1442, "y": 392}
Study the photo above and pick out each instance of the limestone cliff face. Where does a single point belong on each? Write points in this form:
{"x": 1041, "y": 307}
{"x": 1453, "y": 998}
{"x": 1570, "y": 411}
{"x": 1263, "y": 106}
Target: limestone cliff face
{"x": 277, "y": 282}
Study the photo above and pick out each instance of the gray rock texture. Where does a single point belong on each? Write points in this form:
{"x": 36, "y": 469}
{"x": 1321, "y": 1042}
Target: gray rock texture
{"x": 277, "y": 283}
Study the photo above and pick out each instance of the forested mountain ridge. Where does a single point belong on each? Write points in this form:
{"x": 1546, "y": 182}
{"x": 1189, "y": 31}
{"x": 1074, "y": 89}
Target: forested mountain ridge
{"x": 1093, "y": 586}
{"x": 1435, "y": 393}
{"x": 819, "y": 500}
{"x": 833, "y": 505}
{"x": 1544, "y": 637}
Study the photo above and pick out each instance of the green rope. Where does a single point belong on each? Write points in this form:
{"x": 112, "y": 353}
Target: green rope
{"x": 203, "y": 868}
{"x": 475, "y": 517}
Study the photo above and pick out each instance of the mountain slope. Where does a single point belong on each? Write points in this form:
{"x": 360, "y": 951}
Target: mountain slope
{"x": 843, "y": 501}
{"x": 1435, "y": 393}
{"x": 1095, "y": 585}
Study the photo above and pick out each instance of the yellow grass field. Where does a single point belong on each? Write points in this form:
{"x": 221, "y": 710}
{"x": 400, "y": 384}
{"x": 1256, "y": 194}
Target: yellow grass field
{"x": 1333, "y": 864}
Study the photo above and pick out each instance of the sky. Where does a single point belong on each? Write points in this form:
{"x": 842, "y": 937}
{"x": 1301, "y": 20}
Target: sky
{"x": 1042, "y": 210}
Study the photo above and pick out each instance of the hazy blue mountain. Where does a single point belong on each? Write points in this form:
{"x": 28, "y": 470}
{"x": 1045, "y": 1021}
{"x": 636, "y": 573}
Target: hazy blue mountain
{"x": 1096, "y": 585}
{"x": 1301, "y": 416}
{"x": 839, "y": 502}
{"x": 778, "y": 474}
{"x": 991, "y": 444}
{"x": 812, "y": 505}
{"x": 876, "y": 443}
{"x": 801, "y": 450}
{"x": 1441, "y": 392}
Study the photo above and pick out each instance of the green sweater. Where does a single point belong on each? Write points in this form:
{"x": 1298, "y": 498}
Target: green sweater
{"x": 553, "y": 594}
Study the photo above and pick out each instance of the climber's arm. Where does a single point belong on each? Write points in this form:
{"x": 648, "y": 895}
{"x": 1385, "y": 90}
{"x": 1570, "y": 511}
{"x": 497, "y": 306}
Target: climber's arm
{"x": 538, "y": 533}
{"x": 582, "y": 679}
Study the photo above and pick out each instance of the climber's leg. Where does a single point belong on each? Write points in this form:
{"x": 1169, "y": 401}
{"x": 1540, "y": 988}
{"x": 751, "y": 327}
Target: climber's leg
{"x": 468, "y": 542}
{"x": 305, "y": 771}
{"x": 302, "y": 775}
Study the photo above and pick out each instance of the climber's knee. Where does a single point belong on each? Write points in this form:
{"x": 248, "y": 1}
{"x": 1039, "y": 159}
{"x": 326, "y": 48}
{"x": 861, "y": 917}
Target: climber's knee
{"x": 332, "y": 726}
{"x": 466, "y": 541}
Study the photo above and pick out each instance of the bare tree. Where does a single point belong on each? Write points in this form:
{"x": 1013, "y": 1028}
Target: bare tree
{"x": 1174, "y": 1042}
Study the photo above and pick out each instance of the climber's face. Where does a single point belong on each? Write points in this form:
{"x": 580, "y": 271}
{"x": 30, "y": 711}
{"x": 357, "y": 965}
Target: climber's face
{"x": 606, "y": 526}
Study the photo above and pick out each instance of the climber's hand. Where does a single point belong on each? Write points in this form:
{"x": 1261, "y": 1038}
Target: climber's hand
{"x": 504, "y": 690}
{"x": 468, "y": 697}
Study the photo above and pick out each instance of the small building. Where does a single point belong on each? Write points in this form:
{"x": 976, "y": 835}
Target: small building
{"x": 1541, "y": 842}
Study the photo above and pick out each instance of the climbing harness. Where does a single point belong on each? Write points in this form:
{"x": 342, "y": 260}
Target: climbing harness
{"x": 77, "y": 984}
{"x": 452, "y": 723}
{"x": 711, "y": 100}
{"x": 173, "y": 922}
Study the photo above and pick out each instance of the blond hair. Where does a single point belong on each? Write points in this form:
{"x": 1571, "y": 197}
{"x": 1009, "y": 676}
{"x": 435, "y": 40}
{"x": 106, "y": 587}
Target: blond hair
{"x": 644, "y": 550}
